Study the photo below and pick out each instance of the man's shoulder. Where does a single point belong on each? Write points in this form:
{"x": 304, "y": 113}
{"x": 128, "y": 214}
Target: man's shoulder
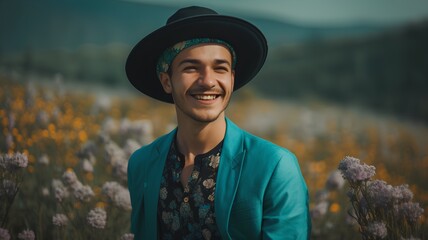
{"x": 261, "y": 146}
{"x": 263, "y": 156}
{"x": 147, "y": 150}
{"x": 256, "y": 145}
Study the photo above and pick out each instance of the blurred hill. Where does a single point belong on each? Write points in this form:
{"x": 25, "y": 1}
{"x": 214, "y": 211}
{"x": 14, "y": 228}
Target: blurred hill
{"x": 376, "y": 67}
{"x": 69, "y": 24}
{"x": 386, "y": 72}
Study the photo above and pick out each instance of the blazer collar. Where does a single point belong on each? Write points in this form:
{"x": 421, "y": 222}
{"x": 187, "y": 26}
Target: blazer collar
{"x": 157, "y": 163}
{"x": 231, "y": 161}
{"x": 229, "y": 172}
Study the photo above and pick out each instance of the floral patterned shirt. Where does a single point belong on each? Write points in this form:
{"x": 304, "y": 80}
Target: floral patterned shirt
{"x": 188, "y": 212}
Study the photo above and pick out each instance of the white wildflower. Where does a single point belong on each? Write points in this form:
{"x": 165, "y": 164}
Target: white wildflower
{"x": 60, "y": 220}
{"x": 70, "y": 177}
{"x": 127, "y": 236}
{"x": 27, "y": 235}
{"x": 45, "y": 191}
{"x": 118, "y": 194}
{"x": 13, "y": 162}
{"x": 87, "y": 166}
{"x": 83, "y": 193}
{"x": 97, "y": 218}
{"x": 4, "y": 234}
{"x": 335, "y": 181}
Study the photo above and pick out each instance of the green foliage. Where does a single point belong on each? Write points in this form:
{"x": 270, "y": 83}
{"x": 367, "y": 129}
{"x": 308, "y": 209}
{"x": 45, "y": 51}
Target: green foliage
{"x": 89, "y": 63}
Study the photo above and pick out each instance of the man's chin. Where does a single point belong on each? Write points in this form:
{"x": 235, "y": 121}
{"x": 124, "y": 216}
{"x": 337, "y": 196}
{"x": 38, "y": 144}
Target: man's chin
{"x": 206, "y": 119}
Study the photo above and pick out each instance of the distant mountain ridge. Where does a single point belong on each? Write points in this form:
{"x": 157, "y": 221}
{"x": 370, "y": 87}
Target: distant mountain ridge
{"x": 68, "y": 24}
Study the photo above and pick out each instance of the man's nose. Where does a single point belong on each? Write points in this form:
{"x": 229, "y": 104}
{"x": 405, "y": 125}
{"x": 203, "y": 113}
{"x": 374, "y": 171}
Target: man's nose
{"x": 207, "y": 78}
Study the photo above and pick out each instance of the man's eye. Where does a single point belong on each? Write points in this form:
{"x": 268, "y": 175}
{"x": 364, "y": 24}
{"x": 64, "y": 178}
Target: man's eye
{"x": 222, "y": 69}
{"x": 189, "y": 68}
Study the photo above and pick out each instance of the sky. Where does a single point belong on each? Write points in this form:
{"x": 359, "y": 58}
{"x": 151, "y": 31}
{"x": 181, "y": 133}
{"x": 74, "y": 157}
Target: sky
{"x": 320, "y": 12}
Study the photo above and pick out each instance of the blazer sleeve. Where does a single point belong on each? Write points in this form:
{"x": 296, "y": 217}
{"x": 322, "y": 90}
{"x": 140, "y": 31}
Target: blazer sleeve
{"x": 132, "y": 191}
{"x": 286, "y": 202}
{"x": 135, "y": 186}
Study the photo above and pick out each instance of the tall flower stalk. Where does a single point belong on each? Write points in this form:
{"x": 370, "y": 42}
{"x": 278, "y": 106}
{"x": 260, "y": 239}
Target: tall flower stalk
{"x": 11, "y": 166}
{"x": 381, "y": 210}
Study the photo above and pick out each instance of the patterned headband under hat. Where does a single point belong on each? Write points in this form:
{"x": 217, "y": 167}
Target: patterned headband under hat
{"x": 170, "y": 53}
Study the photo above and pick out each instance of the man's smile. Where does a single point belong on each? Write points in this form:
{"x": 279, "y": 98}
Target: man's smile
{"x": 205, "y": 96}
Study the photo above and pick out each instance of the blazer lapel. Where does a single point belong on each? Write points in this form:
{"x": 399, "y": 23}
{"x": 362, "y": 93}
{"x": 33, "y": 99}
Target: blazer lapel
{"x": 151, "y": 192}
{"x": 228, "y": 177}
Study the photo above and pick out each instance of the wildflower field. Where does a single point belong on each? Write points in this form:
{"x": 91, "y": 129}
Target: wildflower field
{"x": 64, "y": 156}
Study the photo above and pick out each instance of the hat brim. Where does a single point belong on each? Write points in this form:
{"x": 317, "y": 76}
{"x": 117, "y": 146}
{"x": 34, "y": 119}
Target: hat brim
{"x": 248, "y": 42}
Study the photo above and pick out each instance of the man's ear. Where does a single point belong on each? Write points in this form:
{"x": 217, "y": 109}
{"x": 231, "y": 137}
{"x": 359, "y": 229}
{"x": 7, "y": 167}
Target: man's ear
{"x": 233, "y": 79}
{"x": 166, "y": 82}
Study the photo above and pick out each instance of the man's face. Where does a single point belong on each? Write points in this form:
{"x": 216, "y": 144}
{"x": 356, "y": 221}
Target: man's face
{"x": 201, "y": 82}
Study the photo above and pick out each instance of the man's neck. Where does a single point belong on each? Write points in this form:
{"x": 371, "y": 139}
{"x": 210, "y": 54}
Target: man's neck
{"x": 194, "y": 138}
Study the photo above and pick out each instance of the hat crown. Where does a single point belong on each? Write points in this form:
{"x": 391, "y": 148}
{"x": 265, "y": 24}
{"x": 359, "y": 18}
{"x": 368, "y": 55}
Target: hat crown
{"x": 188, "y": 12}
{"x": 193, "y": 22}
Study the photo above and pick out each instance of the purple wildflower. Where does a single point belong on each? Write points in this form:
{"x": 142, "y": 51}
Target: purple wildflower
{"x": 4, "y": 234}
{"x": 97, "y": 218}
{"x": 380, "y": 193}
{"x": 60, "y": 220}
{"x": 402, "y": 194}
{"x": 353, "y": 171}
{"x": 352, "y": 195}
{"x": 410, "y": 211}
{"x": 377, "y": 229}
{"x": 27, "y": 235}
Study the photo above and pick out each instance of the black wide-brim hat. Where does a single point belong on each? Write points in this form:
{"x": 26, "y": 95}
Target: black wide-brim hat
{"x": 247, "y": 40}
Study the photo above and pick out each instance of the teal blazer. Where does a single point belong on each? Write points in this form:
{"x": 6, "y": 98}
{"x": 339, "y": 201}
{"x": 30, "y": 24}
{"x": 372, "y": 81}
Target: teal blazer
{"x": 260, "y": 192}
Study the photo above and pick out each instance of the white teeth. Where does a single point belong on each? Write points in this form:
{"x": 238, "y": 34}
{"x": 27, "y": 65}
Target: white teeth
{"x": 205, "y": 97}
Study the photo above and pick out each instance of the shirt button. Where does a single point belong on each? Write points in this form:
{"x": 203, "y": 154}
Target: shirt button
{"x": 186, "y": 199}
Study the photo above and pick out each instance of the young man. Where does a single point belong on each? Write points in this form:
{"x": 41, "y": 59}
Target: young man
{"x": 208, "y": 179}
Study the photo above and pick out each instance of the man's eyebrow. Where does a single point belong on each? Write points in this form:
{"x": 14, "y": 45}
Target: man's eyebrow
{"x": 192, "y": 61}
{"x": 222, "y": 61}
{"x": 196, "y": 61}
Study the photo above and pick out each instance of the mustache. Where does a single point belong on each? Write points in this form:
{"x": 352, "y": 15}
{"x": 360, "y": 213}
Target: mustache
{"x": 204, "y": 89}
